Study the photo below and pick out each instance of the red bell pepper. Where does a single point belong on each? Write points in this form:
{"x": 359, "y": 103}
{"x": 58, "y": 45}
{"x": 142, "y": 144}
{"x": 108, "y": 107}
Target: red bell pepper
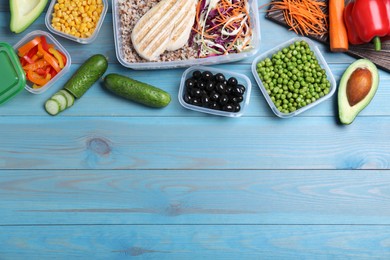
{"x": 387, "y": 4}
{"x": 371, "y": 20}
{"x": 353, "y": 37}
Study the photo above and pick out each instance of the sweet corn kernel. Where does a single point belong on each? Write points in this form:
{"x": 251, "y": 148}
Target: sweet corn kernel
{"x": 77, "y": 17}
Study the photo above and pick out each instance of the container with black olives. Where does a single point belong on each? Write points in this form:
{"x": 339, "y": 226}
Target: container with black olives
{"x": 214, "y": 91}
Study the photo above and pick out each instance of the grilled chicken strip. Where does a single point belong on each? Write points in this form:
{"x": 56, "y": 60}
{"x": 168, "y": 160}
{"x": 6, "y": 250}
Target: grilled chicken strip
{"x": 166, "y": 26}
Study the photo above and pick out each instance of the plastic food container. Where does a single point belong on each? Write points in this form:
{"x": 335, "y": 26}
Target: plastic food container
{"x": 49, "y": 16}
{"x": 254, "y": 16}
{"x": 321, "y": 62}
{"x": 242, "y": 79}
{"x": 12, "y": 75}
{"x": 51, "y": 40}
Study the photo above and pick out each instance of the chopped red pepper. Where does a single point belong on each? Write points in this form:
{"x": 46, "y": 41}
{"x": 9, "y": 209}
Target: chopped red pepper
{"x": 371, "y": 20}
{"x": 23, "y": 50}
{"x": 41, "y": 61}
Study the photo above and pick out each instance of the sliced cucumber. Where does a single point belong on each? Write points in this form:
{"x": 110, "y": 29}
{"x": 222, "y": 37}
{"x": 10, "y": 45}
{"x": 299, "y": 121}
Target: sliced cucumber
{"x": 52, "y": 107}
{"x": 69, "y": 97}
{"x": 61, "y": 99}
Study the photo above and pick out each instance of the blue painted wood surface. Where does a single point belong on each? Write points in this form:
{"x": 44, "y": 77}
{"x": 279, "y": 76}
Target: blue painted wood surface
{"x": 110, "y": 179}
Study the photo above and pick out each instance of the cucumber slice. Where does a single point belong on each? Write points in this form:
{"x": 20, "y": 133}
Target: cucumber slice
{"x": 61, "y": 99}
{"x": 69, "y": 97}
{"x": 52, "y": 107}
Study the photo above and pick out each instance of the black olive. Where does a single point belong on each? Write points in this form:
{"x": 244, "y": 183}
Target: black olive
{"x": 190, "y": 83}
{"x": 207, "y": 75}
{"x": 232, "y": 81}
{"x": 205, "y": 101}
{"x": 219, "y": 77}
{"x": 236, "y": 100}
{"x": 214, "y": 96}
{"x": 201, "y": 84}
{"x": 223, "y": 99}
{"x": 229, "y": 89}
{"x": 237, "y": 107}
{"x": 228, "y": 108}
{"x": 220, "y": 87}
{"x": 196, "y": 93}
{"x": 238, "y": 91}
{"x": 187, "y": 98}
{"x": 214, "y": 105}
{"x": 241, "y": 87}
{"x": 195, "y": 102}
{"x": 197, "y": 74}
{"x": 210, "y": 86}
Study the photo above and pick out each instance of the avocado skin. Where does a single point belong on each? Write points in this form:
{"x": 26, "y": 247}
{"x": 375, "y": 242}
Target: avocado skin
{"x": 19, "y": 22}
{"x": 348, "y": 113}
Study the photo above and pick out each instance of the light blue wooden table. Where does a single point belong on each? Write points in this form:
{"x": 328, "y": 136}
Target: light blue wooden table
{"x": 110, "y": 179}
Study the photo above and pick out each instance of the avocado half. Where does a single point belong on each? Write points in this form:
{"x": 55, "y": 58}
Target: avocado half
{"x": 24, "y": 13}
{"x": 357, "y": 87}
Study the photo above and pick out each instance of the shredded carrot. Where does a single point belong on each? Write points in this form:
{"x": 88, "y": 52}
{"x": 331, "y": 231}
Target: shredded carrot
{"x": 305, "y": 17}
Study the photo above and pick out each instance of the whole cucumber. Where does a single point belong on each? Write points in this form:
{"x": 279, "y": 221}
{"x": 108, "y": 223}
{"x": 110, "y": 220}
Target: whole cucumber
{"x": 136, "y": 91}
{"x": 86, "y": 75}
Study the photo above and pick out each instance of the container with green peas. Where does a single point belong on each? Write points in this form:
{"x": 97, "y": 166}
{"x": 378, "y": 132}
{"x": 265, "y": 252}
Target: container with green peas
{"x": 293, "y": 77}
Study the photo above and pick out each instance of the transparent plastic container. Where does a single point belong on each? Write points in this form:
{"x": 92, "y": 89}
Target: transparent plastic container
{"x": 50, "y": 40}
{"x": 254, "y": 16}
{"x": 49, "y": 16}
{"x": 321, "y": 62}
{"x": 242, "y": 79}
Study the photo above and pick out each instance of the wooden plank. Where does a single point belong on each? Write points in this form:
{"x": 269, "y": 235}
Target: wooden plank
{"x": 193, "y": 143}
{"x": 195, "y": 242}
{"x": 59, "y": 197}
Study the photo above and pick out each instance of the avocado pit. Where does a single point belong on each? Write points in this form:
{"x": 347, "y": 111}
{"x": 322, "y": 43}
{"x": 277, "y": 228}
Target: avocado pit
{"x": 358, "y": 85}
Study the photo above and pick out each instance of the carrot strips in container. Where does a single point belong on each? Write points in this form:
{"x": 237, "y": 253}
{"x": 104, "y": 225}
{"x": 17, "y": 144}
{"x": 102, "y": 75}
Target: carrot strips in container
{"x": 222, "y": 27}
{"x": 305, "y": 17}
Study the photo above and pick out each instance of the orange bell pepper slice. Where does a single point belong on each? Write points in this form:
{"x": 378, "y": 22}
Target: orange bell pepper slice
{"x": 49, "y": 58}
{"x": 23, "y": 50}
{"x": 37, "y": 79}
{"x": 36, "y": 65}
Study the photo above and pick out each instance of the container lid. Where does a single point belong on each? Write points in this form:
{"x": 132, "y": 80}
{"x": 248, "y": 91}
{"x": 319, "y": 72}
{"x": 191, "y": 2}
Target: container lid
{"x": 12, "y": 76}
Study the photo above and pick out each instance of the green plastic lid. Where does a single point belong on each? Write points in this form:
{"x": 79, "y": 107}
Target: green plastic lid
{"x": 12, "y": 76}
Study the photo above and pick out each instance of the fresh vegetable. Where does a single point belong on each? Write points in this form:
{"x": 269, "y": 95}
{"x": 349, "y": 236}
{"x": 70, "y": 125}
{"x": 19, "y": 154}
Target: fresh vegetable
{"x": 136, "y": 91}
{"x": 371, "y": 21}
{"x": 305, "y": 17}
{"x": 338, "y": 36}
{"x": 222, "y": 27}
{"x": 24, "y": 13}
{"x": 86, "y": 75}
{"x": 77, "y": 17}
{"x": 293, "y": 78}
{"x": 214, "y": 91}
{"x": 387, "y": 4}
{"x": 353, "y": 37}
{"x": 357, "y": 87}
{"x": 59, "y": 102}
{"x": 41, "y": 61}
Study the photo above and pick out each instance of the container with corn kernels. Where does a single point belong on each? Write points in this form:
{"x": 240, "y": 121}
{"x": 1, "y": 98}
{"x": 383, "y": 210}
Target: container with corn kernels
{"x": 77, "y": 20}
